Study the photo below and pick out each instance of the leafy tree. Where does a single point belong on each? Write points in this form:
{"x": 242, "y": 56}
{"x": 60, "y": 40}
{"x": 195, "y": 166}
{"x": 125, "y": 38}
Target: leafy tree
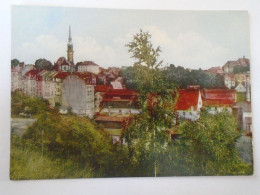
{"x": 183, "y": 77}
{"x": 43, "y": 64}
{"x": 21, "y": 102}
{"x": 241, "y": 69}
{"x": 146, "y": 134}
{"x": 210, "y": 145}
{"x": 129, "y": 77}
{"x": 78, "y": 139}
{"x": 14, "y": 62}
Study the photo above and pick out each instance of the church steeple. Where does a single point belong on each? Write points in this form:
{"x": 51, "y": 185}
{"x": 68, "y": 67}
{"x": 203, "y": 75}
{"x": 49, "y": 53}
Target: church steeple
{"x": 70, "y": 51}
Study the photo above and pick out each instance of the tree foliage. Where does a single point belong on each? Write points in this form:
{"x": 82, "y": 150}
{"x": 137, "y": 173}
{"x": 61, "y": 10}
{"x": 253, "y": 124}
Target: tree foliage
{"x": 241, "y": 69}
{"x": 180, "y": 76}
{"x": 14, "y": 63}
{"x": 147, "y": 66}
{"x": 146, "y": 135}
{"x": 70, "y": 138}
{"x": 21, "y": 103}
{"x": 210, "y": 145}
{"x": 43, "y": 64}
{"x": 183, "y": 77}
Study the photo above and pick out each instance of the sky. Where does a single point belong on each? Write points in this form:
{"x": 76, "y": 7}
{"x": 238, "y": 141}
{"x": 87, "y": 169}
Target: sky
{"x": 192, "y": 39}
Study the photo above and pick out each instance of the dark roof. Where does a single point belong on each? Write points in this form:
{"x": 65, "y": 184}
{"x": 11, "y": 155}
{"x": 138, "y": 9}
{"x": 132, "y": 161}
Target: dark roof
{"x": 86, "y": 63}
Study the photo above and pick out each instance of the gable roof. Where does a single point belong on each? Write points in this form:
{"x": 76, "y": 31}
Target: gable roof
{"x": 187, "y": 98}
{"x": 61, "y": 75}
{"x": 34, "y": 74}
{"x": 122, "y": 92}
{"x": 218, "y": 97}
{"x": 62, "y": 61}
{"x": 102, "y": 88}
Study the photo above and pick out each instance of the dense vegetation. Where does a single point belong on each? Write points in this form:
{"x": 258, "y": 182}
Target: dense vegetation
{"x": 241, "y": 69}
{"x": 74, "y": 141}
{"x": 43, "y": 64}
{"x": 179, "y": 76}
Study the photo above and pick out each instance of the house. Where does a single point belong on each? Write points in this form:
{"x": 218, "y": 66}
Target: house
{"x": 189, "y": 104}
{"x": 31, "y": 82}
{"x": 58, "y": 79}
{"x": 63, "y": 65}
{"x": 120, "y": 101}
{"x": 16, "y": 78}
{"x": 26, "y": 68}
{"x": 87, "y": 66}
{"x": 117, "y": 106}
{"x": 100, "y": 90}
{"x": 49, "y": 86}
{"x": 228, "y": 67}
{"x": 218, "y": 100}
{"x": 229, "y": 81}
{"x": 102, "y": 78}
{"x": 78, "y": 94}
{"x": 113, "y": 125}
{"x": 240, "y": 88}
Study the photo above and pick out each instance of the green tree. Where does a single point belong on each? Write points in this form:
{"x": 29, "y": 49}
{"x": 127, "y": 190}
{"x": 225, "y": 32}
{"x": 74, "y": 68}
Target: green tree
{"x": 14, "y": 63}
{"x": 129, "y": 77}
{"x": 183, "y": 77}
{"x": 210, "y": 145}
{"x": 43, "y": 64}
{"x": 146, "y": 134}
{"x": 241, "y": 69}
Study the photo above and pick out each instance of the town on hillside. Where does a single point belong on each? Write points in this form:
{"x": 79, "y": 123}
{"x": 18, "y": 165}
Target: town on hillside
{"x": 103, "y": 94}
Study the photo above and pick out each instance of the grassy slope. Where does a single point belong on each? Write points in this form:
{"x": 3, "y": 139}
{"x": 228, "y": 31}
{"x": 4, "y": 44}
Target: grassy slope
{"x": 28, "y": 163}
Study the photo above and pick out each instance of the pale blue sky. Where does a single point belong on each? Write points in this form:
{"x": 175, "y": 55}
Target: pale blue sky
{"x": 194, "y": 39}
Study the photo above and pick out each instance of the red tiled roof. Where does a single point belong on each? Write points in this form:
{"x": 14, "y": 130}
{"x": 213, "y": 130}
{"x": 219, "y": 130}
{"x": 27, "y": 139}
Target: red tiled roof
{"x": 102, "y": 88}
{"x": 86, "y": 76}
{"x": 122, "y": 92}
{"x": 62, "y": 75}
{"x": 62, "y": 61}
{"x": 218, "y": 97}
{"x": 187, "y": 98}
{"x": 34, "y": 74}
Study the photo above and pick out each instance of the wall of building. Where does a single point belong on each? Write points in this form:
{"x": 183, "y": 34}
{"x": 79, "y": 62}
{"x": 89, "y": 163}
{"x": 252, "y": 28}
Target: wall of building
{"x": 77, "y": 95}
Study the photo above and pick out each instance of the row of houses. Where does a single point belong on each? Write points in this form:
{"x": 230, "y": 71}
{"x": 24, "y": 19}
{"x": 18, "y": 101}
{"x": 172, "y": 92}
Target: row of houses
{"x": 111, "y": 105}
{"x": 232, "y": 79}
{"x": 117, "y": 106}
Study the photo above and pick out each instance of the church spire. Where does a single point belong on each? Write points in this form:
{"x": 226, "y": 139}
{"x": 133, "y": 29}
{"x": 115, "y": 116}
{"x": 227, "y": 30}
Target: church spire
{"x": 70, "y": 39}
{"x": 70, "y": 51}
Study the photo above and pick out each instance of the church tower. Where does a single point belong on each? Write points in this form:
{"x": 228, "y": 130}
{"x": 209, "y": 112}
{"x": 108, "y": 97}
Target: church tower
{"x": 70, "y": 51}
